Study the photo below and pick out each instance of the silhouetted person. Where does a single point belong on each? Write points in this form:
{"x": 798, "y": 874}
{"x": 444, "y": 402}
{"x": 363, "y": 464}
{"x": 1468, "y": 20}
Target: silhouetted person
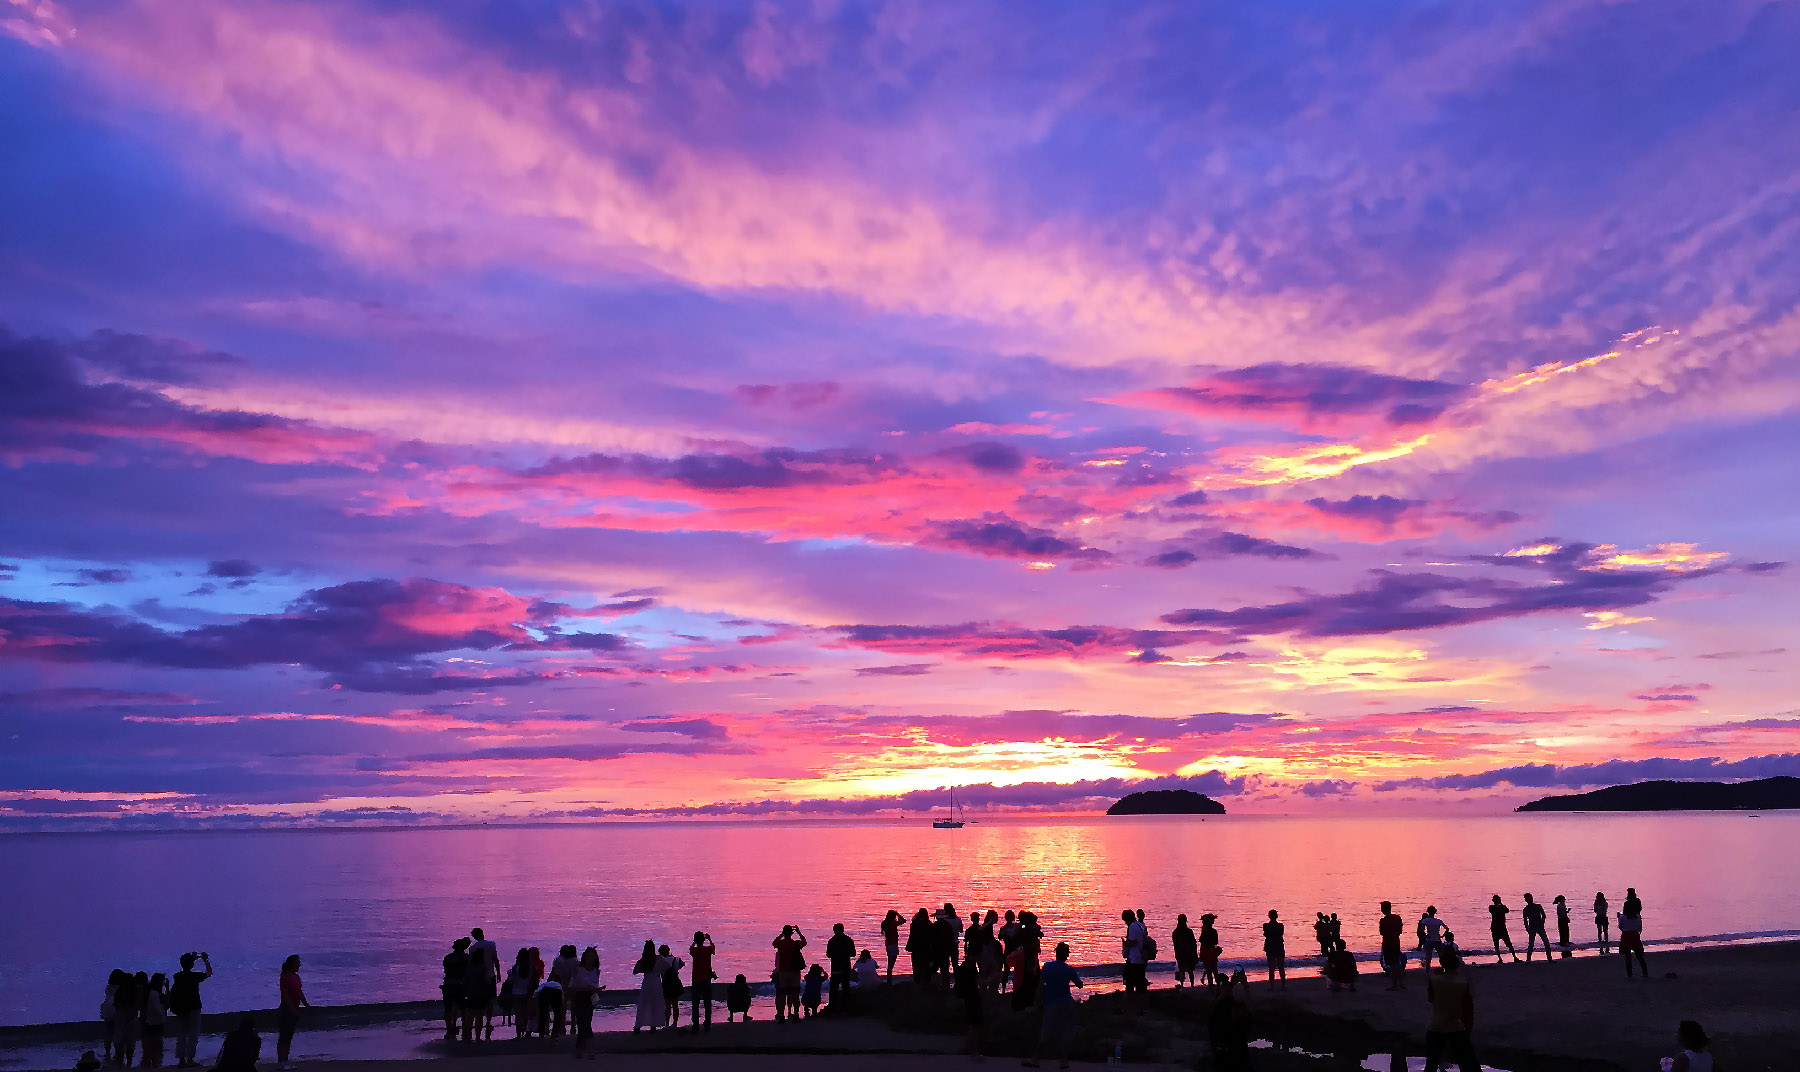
{"x": 1334, "y": 928}
{"x": 1696, "y": 1049}
{"x": 1533, "y": 916}
{"x": 1132, "y": 946}
{"x": 1631, "y": 933}
{"x": 868, "y": 972}
{"x": 184, "y": 1007}
{"x": 241, "y": 1048}
{"x": 790, "y": 964}
{"x": 549, "y": 995}
{"x": 287, "y": 1015}
{"x": 1393, "y": 958}
{"x": 480, "y": 987}
{"x": 1228, "y": 1030}
{"x": 1497, "y": 928}
{"x": 840, "y": 950}
{"x": 1322, "y": 934}
{"x": 671, "y": 980}
{"x": 520, "y": 988}
{"x": 700, "y": 957}
{"x": 1452, "y": 1016}
{"x": 1275, "y": 947}
{"x": 890, "y": 937}
{"x": 812, "y": 989}
{"x": 1340, "y": 966}
{"x": 1431, "y": 932}
{"x": 583, "y": 992}
{"x": 1057, "y": 1003}
{"x": 1209, "y": 950}
{"x": 737, "y": 1000}
{"x": 650, "y": 1011}
{"x": 950, "y": 937}
{"x": 1562, "y": 923}
{"x": 967, "y": 987}
{"x": 1186, "y": 948}
{"x": 156, "y": 1018}
{"x": 128, "y": 1011}
{"x": 919, "y": 943}
{"x": 1602, "y": 919}
{"x": 1009, "y": 940}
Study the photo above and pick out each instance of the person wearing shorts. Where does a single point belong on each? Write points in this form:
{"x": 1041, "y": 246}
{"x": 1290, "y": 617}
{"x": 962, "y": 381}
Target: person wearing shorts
{"x": 1275, "y": 947}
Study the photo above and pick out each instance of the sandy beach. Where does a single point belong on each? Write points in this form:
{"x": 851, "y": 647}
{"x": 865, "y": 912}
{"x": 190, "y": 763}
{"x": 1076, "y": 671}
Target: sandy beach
{"x": 1578, "y": 1015}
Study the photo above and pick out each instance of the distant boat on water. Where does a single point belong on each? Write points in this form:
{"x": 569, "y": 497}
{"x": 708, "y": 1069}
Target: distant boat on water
{"x": 953, "y": 821}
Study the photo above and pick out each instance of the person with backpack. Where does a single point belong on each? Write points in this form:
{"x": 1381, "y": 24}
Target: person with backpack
{"x": 184, "y": 1007}
{"x": 1133, "y": 946}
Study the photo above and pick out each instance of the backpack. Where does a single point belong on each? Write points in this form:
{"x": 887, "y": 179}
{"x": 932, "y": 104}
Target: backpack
{"x": 1149, "y": 949}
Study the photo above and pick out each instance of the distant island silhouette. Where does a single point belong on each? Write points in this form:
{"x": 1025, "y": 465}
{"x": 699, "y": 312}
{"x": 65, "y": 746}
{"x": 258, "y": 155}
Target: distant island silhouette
{"x": 1763, "y": 794}
{"x": 1166, "y": 802}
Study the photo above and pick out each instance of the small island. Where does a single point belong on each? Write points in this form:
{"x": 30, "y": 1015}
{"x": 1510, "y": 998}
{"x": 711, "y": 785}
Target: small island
{"x": 1763, "y": 794}
{"x": 1166, "y": 802}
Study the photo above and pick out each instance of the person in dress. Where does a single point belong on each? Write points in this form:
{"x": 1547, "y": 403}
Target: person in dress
{"x": 287, "y": 1017}
{"x": 1209, "y": 950}
{"x": 651, "y": 1012}
{"x": 583, "y": 991}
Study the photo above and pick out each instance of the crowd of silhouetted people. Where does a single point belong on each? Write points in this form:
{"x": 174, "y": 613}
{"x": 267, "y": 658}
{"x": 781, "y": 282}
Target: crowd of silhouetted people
{"x": 989, "y": 958}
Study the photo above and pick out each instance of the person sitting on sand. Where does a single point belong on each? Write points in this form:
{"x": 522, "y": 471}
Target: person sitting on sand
{"x": 1562, "y": 923}
{"x": 868, "y": 972}
{"x": 1602, "y": 919}
{"x": 812, "y": 989}
{"x": 737, "y": 1000}
{"x": 1340, "y": 967}
{"x": 1430, "y": 933}
{"x": 1452, "y": 1015}
{"x": 1275, "y": 948}
{"x": 1057, "y": 1005}
{"x": 1696, "y": 1049}
{"x": 88, "y": 1062}
{"x": 1497, "y": 928}
{"x": 1393, "y": 958}
{"x": 1186, "y": 949}
{"x": 1631, "y": 933}
{"x": 240, "y": 1049}
{"x": 1228, "y": 1029}
{"x": 1209, "y": 950}
{"x": 1533, "y": 916}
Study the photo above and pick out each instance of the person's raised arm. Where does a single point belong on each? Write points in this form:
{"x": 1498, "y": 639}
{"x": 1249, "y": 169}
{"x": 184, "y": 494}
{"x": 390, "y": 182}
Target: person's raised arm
{"x": 206, "y": 960}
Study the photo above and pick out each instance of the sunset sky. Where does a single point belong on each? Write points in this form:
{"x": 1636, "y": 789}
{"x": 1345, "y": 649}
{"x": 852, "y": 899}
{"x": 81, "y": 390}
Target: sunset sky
{"x": 419, "y": 411}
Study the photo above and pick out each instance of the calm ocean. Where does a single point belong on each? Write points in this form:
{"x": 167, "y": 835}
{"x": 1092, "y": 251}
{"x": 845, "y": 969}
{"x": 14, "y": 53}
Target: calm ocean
{"x": 371, "y": 912}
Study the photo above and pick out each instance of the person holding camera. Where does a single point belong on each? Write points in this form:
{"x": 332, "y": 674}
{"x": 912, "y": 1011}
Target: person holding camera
{"x": 184, "y": 1007}
{"x": 700, "y": 955}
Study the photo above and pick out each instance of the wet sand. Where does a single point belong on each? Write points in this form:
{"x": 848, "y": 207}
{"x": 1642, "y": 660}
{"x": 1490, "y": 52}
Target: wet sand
{"x": 1579, "y": 1015}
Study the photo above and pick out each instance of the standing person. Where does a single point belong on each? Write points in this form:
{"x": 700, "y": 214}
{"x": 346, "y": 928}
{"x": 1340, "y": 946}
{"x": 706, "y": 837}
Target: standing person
{"x": 522, "y": 990}
{"x": 1631, "y": 932}
{"x": 700, "y": 955}
{"x": 1602, "y": 920}
{"x": 1452, "y": 1016}
{"x": 1393, "y": 958}
{"x": 583, "y": 991}
{"x": 1275, "y": 947}
{"x": 481, "y": 987}
{"x": 1186, "y": 949}
{"x": 967, "y": 986}
{"x": 919, "y": 940}
{"x": 1497, "y": 928}
{"x": 672, "y": 966}
{"x": 156, "y": 1016}
{"x": 1562, "y": 923}
{"x": 1431, "y": 932}
{"x": 1696, "y": 1053}
{"x": 184, "y": 1006}
{"x": 287, "y": 1017}
{"x": 650, "y": 1010}
{"x": 1322, "y": 934}
{"x": 1024, "y": 961}
{"x": 456, "y": 969}
{"x": 1057, "y": 1005}
{"x": 1209, "y": 950}
{"x": 890, "y": 938}
{"x": 109, "y": 1011}
{"x": 550, "y": 1006}
{"x": 1009, "y": 940}
{"x": 944, "y": 944}
{"x": 840, "y": 950}
{"x": 128, "y": 1011}
{"x": 790, "y": 963}
{"x": 1533, "y": 916}
{"x": 562, "y": 970}
{"x": 952, "y": 919}
{"x": 535, "y": 978}
{"x": 1132, "y": 946}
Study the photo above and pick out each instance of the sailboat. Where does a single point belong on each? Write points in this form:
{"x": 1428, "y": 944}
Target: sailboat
{"x": 953, "y": 821}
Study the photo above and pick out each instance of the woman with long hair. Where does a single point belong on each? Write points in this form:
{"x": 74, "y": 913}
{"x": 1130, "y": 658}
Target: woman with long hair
{"x": 287, "y": 1018}
{"x": 651, "y": 1009}
{"x": 671, "y": 984}
{"x": 584, "y": 988}
{"x": 156, "y": 1019}
{"x": 1602, "y": 921}
{"x": 521, "y": 986}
